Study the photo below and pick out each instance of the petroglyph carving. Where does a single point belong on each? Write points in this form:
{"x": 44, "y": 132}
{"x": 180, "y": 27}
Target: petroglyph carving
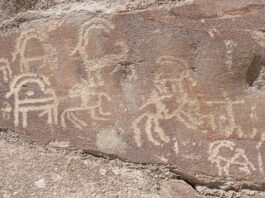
{"x": 228, "y": 125}
{"x": 53, "y": 25}
{"x": 151, "y": 121}
{"x": 127, "y": 70}
{"x": 27, "y": 62}
{"x": 91, "y": 101}
{"x": 5, "y": 68}
{"x": 187, "y": 109}
{"x": 156, "y": 99}
{"x": 94, "y": 23}
{"x": 176, "y": 146}
{"x": 33, "y": 93}
{"x": 258, "y": 147}
{"x": 91, "y": 91}
{"x": 94, "y": 65}
{"x": 234, "y": 157}
{"x": 229, "y": 44}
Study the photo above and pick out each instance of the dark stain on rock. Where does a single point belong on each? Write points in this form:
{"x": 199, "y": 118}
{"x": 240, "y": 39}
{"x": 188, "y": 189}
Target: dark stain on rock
{"x": 253, "y": 71}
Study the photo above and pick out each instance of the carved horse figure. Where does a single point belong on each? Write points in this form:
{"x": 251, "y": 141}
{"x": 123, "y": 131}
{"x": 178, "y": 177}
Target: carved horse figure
{"x": 91, "y": 101}
{"x": 165, "y": 88}
{"x": 91, "y": 92}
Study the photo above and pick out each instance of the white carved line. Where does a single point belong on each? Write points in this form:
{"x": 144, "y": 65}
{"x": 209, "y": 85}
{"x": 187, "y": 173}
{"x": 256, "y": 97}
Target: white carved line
{"x": 23, "y": 106}
{"x": 5, "y": 68}
{"x": 20, "y": 50}
{"x": 224, "y": 163}
{"x": 93, "y": 67}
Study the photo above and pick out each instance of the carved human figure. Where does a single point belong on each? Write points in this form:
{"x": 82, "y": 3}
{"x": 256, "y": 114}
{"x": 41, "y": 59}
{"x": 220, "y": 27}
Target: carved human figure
{"x": 33, "y": 93}
{"x": 237, "y": 157}
{"x": 45, "y": 57}
{"x": 91, "y": 91}
{"x": 187, "y": 109}
{"x": 95, "y": 64}
{"x": 164, "y": 88}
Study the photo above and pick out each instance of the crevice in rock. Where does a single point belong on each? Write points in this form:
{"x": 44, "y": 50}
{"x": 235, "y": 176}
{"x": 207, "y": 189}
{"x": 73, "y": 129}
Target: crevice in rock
{"x": 255, "y": 77}
{"x": 253, "y": 71}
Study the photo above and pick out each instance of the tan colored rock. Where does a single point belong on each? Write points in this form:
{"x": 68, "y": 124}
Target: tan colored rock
{"x": 178, "y": 189}
{"x": 179, "y": 84}
{"x": 34, "y": 172}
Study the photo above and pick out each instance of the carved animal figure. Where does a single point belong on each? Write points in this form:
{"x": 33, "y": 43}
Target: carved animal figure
{"x": 166, "y": 88}
{"x": 235, "y": 157}
{"x": 91, "y": 91}
{"x": 91, "y": 101}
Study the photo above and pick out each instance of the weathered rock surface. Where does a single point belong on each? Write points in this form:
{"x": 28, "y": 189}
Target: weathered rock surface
{"x": 180, "y": 84}
{"x": 31, "y": 171}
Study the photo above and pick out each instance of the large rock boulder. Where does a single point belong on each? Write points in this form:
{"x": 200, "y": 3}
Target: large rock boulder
{"x": 180, "y": 84}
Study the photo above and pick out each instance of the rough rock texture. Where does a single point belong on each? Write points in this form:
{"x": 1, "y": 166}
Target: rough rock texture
{"x": 28, "y": 170}
{"x": 177, "y": 83}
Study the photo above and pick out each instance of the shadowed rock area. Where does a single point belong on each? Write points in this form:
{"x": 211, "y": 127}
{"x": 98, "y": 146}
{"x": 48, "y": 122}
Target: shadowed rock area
{"x": 178, "y": 85}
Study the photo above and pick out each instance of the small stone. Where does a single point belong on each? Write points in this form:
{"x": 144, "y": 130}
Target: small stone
{"x": 40, "y": 183}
